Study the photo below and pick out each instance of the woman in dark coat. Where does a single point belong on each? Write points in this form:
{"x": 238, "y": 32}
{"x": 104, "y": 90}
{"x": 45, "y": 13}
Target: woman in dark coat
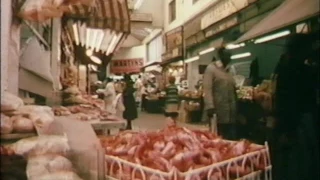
{"x": 130, "y": 113}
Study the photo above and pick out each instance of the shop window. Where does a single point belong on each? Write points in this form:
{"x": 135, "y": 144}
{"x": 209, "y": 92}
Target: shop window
{"x": 172, "y": 11}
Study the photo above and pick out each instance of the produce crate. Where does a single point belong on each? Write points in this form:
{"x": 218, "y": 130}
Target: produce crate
{"x": 123, "y": 170}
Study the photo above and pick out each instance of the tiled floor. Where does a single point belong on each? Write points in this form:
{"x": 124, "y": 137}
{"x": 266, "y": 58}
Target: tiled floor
{"x": 150, "y": 122}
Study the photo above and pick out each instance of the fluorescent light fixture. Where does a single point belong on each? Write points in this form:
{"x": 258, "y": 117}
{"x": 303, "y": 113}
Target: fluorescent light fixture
{"x": 88, "y": 37}
{"x": 206, "y": 51}
{"x": 191, "y": 59}
{"x": 272, "y": 36}
{"x": 113, "y": 43}
{"x": 95, "y": 59}
{"x": 99, "y": 40}
{"x": 235, "y": 46}
{"x": 82, "y": 33}
{"x": 242, "y": 55}
{"x": 137, "y": 4}
{"x": 76, "y": 34}
{"x": 94, "y": 34}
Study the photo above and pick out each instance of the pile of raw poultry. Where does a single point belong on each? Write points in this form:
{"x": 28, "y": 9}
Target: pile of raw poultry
{"x": 180, "y": 148}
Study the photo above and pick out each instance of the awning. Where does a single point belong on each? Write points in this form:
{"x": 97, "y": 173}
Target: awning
{"x": 150, "y": 64}
{"x": 288, "y": 13}
{"x": 105, "y": 14}
{"x": 209, "y": 55}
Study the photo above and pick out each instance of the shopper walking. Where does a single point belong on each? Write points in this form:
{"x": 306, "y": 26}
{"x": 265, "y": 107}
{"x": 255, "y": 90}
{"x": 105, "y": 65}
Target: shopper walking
{"x": 220, "y": 94}
{"x": 130, "y": 113}
{"x": 144, "y": 94}
{"x": 294, "y": 144}
{"x": 171, "y": 101}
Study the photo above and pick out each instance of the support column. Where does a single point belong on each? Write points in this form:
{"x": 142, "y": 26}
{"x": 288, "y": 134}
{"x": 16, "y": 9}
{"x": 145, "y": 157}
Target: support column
{"x": 56, "y": 53}
{"x": 5, "y": 32}
{"x": 13, "y": 59}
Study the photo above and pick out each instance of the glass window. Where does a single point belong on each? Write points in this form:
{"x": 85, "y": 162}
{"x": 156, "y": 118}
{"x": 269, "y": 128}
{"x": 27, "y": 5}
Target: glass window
{"x": 172, "y": 11}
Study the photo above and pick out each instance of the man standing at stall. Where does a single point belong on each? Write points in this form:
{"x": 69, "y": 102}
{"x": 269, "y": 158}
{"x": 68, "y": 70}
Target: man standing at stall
{"x": 220, "y": 94}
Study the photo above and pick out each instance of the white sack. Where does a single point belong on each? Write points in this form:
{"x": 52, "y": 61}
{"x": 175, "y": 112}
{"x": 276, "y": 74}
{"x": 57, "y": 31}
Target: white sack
{"x": 59, "y": 176}
{"x": 42, "y": 145}
{"x": 47, "y": 164}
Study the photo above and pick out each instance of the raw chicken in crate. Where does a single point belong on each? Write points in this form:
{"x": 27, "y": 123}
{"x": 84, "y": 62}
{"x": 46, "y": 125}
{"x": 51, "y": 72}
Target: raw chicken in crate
{"x": 176, "y": 153}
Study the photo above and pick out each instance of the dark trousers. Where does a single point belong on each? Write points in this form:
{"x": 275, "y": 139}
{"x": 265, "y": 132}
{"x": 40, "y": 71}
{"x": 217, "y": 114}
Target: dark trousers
{"x": 295, "y": 157}
{"x": 228, "y": 131}
{"x": 143, "y": 101}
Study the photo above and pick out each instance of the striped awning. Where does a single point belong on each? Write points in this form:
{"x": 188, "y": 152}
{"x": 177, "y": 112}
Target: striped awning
{"x": 104, "y": 14}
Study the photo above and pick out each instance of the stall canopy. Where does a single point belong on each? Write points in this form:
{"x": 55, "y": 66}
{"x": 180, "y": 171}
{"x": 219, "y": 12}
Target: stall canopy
{"x": 101, "y": 27}
{"x": 288, "y": 13}
{"x": 110, "y": 14}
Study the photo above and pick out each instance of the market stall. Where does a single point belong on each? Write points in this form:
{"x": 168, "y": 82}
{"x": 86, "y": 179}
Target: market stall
{"x": 254, "y": 107}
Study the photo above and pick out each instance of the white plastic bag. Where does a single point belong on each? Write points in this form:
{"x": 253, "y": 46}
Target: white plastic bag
{"x": 22, "y": 124}
{"x": 59, "y": 176}
{"x": 6, "y": 124}
{"x": 10, "y": 102}
{"x": 47, "y": 164}
{"x": 42, "y": 145}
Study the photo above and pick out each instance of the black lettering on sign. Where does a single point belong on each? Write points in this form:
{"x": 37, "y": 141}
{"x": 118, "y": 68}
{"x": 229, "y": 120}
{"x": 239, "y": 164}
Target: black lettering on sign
{"x": 140, "y": 63}
{"x": 115, "y": 64}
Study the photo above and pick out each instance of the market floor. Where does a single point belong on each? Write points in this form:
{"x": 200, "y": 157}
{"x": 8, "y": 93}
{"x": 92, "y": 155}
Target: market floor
{"x": 151, "y": 122}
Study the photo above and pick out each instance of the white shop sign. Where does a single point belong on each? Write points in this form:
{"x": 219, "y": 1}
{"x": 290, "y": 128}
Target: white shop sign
{"x": 222, "y": 10}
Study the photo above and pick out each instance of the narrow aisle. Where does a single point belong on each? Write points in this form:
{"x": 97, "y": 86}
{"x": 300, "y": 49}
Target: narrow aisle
{"x": 151, "y": 122}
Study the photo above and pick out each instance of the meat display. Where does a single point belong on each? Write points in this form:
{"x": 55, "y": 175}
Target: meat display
{"x": 179, "y": 148}
{"x": 19, "y": 118}
{"x": 93, "y": 110}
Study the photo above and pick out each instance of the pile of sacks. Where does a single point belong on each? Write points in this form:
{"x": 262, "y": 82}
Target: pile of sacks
{"x": 19, "y": 118}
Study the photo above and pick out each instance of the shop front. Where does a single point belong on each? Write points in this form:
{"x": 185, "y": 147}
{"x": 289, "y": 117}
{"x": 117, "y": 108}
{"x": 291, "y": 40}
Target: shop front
{"x": 174, "y": 52}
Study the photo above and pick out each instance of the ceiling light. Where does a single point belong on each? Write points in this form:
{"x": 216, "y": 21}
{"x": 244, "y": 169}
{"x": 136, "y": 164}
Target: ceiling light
{"x": 207, "y": 51}
{"x": 89, "y": 52}
{"x": 242, "y": 55}
{"x": 191, "y": 59}
{"x": 95, "y": 59}
{"x": 137, "y": 4}
{"x": 271, "y": 37}
{"x": 235, "y": 46}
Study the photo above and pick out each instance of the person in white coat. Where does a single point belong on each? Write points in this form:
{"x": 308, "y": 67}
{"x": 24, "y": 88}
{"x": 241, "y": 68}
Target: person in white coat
{"x": 110, "y": 96}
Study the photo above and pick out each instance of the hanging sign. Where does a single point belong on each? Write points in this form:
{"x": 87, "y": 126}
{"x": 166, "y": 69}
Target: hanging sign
{"x": 126, "y": 66}
{"x": 222, "y": 10}
{"x": 221, "y": 27}
{"x": 174, "y": 44}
